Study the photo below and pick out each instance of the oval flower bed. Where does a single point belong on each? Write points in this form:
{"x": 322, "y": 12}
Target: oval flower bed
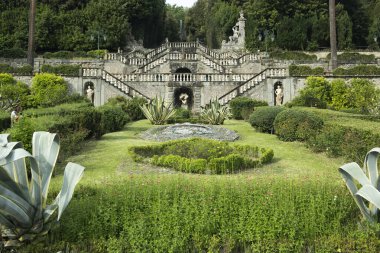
{"x": 202, "y": 156}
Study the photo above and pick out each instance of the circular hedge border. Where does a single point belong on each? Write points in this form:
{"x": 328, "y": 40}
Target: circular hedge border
{"x": 202, "y": 156}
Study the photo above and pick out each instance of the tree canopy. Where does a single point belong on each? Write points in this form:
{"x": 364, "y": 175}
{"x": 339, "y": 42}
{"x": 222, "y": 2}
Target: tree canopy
{"x": 297, "y": 25}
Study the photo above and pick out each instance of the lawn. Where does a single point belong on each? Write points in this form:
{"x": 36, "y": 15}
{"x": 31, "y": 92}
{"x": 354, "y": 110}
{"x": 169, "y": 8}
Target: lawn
{"x": 298, "y": 203}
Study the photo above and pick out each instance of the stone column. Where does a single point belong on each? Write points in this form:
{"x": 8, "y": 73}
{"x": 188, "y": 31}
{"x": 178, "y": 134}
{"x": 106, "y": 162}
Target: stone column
{"x": 241, "y": 39}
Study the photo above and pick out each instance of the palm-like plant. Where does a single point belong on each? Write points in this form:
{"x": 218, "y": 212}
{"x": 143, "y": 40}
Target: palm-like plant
{"x": 24, "y": 215}
{"x": 157, "y": 112}
{"x": 214, "y": 113}
{"x": 370, "y": 186}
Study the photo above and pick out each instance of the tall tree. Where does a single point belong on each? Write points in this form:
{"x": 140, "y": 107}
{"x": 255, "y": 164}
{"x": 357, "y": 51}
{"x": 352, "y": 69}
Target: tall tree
{"x": 32, "y": 23}
{"x": 334, "y": 57}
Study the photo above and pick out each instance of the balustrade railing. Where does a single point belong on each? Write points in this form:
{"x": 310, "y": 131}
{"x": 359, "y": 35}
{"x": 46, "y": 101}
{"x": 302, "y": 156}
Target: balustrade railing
{"x": 252, "y": 82}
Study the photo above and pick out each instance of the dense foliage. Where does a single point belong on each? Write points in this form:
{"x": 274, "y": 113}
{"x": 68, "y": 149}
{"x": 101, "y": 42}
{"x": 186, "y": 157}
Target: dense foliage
{"x": 262, "y": 119}
{"x": 294, "y": 125}
{"x": 79, "y": 25}
{"x": 242, "y": 107}
{"x": 23, "y": 70}
{"x": 132, "y": 107}
{"x": 62, "y": 70}
{"x": 303, "y": 70}
{"x": 203, "y": 156}
{"x": 48, "y": 90}
{"x": 359, "y": 94}
{"x": 13, "y": 93}
{"x": 182, "y": 213}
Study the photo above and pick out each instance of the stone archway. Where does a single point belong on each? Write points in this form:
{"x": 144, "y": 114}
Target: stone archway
{"x": 89, "y": 91}
{"x": 183, "y": 70}
{"x": 278, "y": 93}
{"x": 183, "y": 98}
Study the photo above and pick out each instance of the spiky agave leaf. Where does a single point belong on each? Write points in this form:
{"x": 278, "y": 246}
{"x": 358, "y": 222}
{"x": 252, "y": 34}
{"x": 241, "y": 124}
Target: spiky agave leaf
{"x": 157, "y": 112}
{"x": 370, "y": 185}
{"x": 23, "y": 212}
{"x": 214, "y": 113}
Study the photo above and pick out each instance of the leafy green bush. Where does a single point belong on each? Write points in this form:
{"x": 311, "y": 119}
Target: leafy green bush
{"x": 316, "y": 93}
{"x": 351, "y": 57}
{"x": 64, "y": 69}
{"x": 130, "y": 106}
{"x": 362, "y": 70}
{"x": 60, "y": 110}
{"x": 295, "y": 125}
{"x": 292, "y": 55}
{"x": 181, "y": 213}
{"x": 350, "y": 142}
{"x": 13, "y": 93}
{"x": 298, "y": 70}
{"x": 263, "y": 117}
{"x": 22, "y": 131}
{"x": 64, "y": 55}
{"x": 113, "y": 118}
{"x": 48, "y": 90}
{"x": 97, "y": 53}
{"x": 12, "y": 53}
{"x": 242, "y": 107}
{"x": 202, "y": 156}
{"x": 24, "y": 70}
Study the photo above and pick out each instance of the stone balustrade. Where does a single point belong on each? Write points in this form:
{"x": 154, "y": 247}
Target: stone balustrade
{"x": 156, "y": 51}
{"x": 182, "y": 44}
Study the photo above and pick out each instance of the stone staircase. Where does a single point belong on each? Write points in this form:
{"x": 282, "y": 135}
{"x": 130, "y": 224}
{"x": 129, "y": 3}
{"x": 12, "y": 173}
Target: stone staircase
{"x": 113, "y": 81}
{"x": 157, "y": 57}
{"x": 251, "y": 84}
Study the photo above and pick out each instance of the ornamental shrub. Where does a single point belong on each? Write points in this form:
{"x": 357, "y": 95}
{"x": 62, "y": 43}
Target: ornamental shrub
{"x": 13, "y": 93}
{"x": 242, "y": 107}
{"x": 292, "y": 55}
{"x": 63, "y": 69}
{"x": 113, "y": 118}
{"x": 297, "y": 70}
{"x": 361, "y": 70}
{"x": 263, "y": 117}
{"x": 351, "y": 57}
{"x": 202, "y": 156}
{"x": 5, "y": 120}
{"x": 295, "y": 125}
{"x": 48, "y": 90}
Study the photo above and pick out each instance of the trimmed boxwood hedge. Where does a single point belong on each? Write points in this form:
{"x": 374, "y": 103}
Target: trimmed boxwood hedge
{"x": 202, "y": 156}
{"x": 263, "y": 117}
{"x": 64, "y": 69}
{"x": 24, "y": 70}
{"x": 302, "y": 70}
{"x": 242, "y": 107}
{"x": 295, "y": 125}
{"x": 361, "y": 70}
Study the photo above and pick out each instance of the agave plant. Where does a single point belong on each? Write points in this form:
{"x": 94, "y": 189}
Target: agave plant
{"x": 214, "y": 113}
{"x": 157, "y": 112}
{"x": 24, "y": 215}
{"x": 368, "y": 196}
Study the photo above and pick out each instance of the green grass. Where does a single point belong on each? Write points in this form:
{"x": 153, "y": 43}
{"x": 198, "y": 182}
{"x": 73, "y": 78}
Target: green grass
{"x": 298, "y": 203}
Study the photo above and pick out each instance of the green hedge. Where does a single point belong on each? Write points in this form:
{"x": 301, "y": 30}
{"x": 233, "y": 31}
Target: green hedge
{"x": 24, "y": 70}
{"x": 73, "y": 123}
{"x": 262, "y": 118}
{"x": 350, "y": 142}
{"x": 202, "y": 156}
{"x": 348, "y": 57}
{"x": 64, "y": 55}
{"x": 298, "y": 70}
{"x": 13, "y": 53}
{"x": 242, "y": 107}
{"x": 130, "y": 106}
{"x": 295, "y": 125}
{"x": 292, "y": 55}
{"x": 64, "y": 69}
{"x": 362, "y": 70}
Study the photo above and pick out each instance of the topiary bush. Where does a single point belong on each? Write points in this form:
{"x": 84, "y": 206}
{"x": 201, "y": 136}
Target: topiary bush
{"x": 242, "y": 107}
{"x": 297, "y": 70}
{"x": 113, "y": 118}
{"x": 295, "y": 125}
{"x": 263, "y": 117}
{"x": 202, "y": 156}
